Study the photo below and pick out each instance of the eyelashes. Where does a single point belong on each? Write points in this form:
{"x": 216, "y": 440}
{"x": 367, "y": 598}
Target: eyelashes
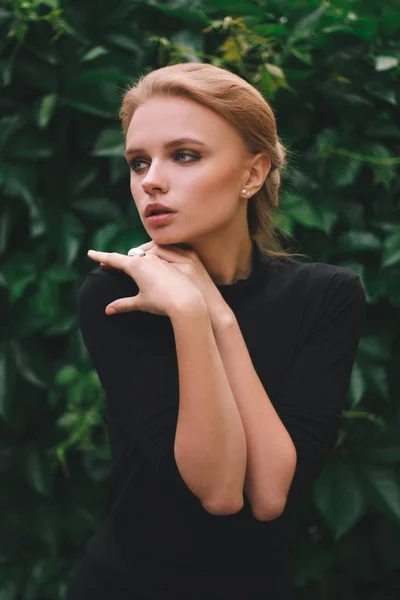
{"x": 194, "y": 156}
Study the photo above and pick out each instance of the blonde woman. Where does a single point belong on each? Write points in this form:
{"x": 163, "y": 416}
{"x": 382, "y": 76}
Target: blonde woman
{"x": 225, "y": 362}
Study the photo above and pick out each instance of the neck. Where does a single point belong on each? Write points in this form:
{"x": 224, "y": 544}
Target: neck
{"x": 226, "y": 261}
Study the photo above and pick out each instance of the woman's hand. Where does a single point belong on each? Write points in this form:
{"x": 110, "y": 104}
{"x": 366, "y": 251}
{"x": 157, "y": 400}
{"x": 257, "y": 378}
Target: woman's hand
{"x": 189, "y": 264}
{"x": 162, "y": 289}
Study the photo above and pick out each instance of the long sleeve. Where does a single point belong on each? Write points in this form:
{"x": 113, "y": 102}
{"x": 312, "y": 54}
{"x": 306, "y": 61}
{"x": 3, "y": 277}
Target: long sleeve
{"x": 137, "y": 367}
{"x": 316, "y": 387}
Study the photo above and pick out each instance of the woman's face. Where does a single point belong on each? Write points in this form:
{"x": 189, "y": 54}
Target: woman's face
{"x": 200, "y": 180}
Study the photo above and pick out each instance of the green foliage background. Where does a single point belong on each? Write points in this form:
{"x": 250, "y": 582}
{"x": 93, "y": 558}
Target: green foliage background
{"x": 331, "y": 72}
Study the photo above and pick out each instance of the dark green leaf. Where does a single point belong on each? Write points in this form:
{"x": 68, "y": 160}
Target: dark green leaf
{"x": 377, "y": 89}
{"x": 100, "y": 209}
{"x": 302, "y": 211}
{"x": 110, "y": 143}
{"x": 31, "y": 363}
{"x": 7, "y": 380}
{"x": 346, "y": 172}
{"x": 383, "y": 490}
{"x": 358, "y": 241}
{"x": 339, "y": 496}
{"x": 46, "y": 110}
{"x": 391, "y": 249}
{"x": 377, "y": 347}
{"x": 357, "y": 387}
{"x": 104, "y": 237}
{"x": 71, "y": 231}
{"x": 66, "y": 375}
{"x": 38, "y": 471}
{"x": 94, "y": 53}
{"x": 19, "y": 274}
{"x": 376, "y": 377}
{"x": 307, "y": 26}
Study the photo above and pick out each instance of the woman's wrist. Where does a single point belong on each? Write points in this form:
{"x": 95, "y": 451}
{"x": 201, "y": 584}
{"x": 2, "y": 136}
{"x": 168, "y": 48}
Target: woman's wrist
{"x": 192, "y": 305}
{"x": 222, "y": 317}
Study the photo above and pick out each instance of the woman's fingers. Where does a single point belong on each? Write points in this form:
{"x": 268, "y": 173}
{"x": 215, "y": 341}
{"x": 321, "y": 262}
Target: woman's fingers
{"x": 122, "y": 305}
{"x": 110, "y": 259}
{"x": 171, "y": 255}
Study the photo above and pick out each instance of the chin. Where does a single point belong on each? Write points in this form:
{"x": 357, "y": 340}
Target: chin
{"x": 169, "y": 240}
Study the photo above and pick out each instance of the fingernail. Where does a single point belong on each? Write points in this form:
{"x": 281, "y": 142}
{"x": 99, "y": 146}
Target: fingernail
{"x": 110, "y": 310}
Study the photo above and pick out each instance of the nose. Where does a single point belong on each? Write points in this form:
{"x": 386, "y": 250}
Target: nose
{"x": 154, "y": 181}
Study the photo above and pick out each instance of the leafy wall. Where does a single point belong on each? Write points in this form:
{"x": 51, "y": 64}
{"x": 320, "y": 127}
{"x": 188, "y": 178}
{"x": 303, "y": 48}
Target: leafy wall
{"x": 331, "y": 72}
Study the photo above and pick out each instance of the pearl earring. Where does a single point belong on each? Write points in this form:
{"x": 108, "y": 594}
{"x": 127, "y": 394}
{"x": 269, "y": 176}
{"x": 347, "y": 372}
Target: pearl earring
{"x": 247, "y": 193}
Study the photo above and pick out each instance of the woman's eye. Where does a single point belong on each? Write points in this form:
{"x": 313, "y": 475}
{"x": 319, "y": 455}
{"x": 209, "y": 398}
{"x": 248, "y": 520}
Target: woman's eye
{"x": 183, "y": 153}
{"x": 190, "y": 156}
{"x": 134, "y": 163}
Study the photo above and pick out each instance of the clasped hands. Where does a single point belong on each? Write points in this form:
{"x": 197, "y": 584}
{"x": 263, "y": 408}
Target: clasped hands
{"x": 168, "y": 277}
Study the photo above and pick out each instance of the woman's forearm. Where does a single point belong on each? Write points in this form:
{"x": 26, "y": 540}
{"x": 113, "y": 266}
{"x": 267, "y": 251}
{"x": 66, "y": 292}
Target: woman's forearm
{"x": 210, "y": 443}
{"x": 271, "y": 454}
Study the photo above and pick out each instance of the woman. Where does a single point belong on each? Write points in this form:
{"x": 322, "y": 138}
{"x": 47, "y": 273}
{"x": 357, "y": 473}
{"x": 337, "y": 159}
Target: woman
{"x": 223, "y": 414}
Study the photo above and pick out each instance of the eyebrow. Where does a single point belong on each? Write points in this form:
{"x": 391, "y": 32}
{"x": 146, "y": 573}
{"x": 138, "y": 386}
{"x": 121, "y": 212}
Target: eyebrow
{"x": 171, "y": 144}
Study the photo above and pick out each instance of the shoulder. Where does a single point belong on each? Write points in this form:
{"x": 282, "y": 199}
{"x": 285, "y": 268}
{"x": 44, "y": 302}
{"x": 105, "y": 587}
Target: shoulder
{"x": 99, "y": 288}
{"x": 100, "y": 283}
{"x": 318, "y": 293}
{"x": 313, "y": 279}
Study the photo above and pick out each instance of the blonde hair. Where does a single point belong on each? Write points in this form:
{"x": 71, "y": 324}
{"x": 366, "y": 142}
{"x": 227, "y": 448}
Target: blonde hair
{"x": 244, "y": 107}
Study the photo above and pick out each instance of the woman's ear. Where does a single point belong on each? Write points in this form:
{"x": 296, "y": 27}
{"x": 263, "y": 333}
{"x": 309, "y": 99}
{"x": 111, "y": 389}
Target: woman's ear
{"x": 258, "y": 170}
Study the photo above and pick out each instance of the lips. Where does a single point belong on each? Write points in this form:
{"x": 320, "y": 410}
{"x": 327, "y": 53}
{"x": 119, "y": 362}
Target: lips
{"x": 157, "y": 208}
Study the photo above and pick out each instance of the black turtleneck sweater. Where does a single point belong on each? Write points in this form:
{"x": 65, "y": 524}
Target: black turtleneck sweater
{"x": 301, "y": 323}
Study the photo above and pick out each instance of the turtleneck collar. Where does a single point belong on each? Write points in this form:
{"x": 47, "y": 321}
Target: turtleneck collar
{"x": 233, "y": 291}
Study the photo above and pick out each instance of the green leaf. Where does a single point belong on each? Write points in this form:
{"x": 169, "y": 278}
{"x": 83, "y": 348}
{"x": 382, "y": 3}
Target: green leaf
{"x": 104, "y": 238}
{"x": 313, "y": 562}
{"x": 125, "y": 42}
{"x": 391, "y": 249}
{"x": 283, "y": 223}
{"x": 46, "y": 110}
{"x": 19, "y": 274}
{"x": 8, "y": 590}
{"x": 384, "y": 63}
{"x": 376, "y": 376}
{"x": 91, "y": 109}
{"x": 364, "y": 27}
{"x": 339, "y": 497}
{"x": 377, "y": 89}
{"x": 31, "y": 363}
{"x": 99, "y": 209}
{"x": 380, "y": 446}
{"x": 94, "y": 53}
{"x": 326, "y": 140}
{"x": 7, "y": 223}
{"x": 381, "y": 165}
{"x": 72, "y": 232}
{"x": 307, "y": 26}
{"x": 60, "y": 274}
{"x": 358, "y": 241}
{"x": 302, "y": 211}
{"x": 30, "y": 145}
{"x": 376, "y": 347}
{"x": 7, "y": 380}
{"x": 37, "y": 470}
{"x": 383, "y": 489}
{"x": 9, "y": 126}
{"x": 66, "y": 376}
{"x": 346, "y": 171}
{"x": 357, "y": 386}
{"x": 20, "y": 181}
{"x": 389, "y": 21}
{"x": 110, "y": 143}
{"x": 233, "y": 7}
{"x": 391, "y": 285}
